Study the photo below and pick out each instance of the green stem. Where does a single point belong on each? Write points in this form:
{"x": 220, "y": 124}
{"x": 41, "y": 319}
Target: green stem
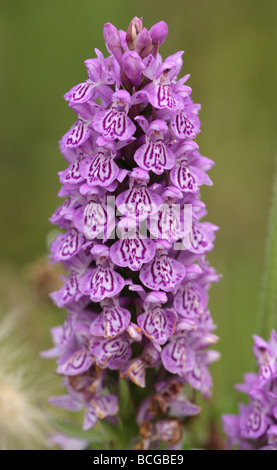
{"x": 267, "y": 314}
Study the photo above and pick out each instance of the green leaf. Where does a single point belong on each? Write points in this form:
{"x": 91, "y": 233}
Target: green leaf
{"x": 126, "y": 407}
{"x": 127, "y": 416}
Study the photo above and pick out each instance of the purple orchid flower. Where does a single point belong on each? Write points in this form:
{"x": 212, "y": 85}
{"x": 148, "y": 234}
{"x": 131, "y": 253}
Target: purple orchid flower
{"x": 154, "y": 155}
{"x": 115, "y": 123}
{"x": 134, "y": 243}
{"x": 255, "y": 425}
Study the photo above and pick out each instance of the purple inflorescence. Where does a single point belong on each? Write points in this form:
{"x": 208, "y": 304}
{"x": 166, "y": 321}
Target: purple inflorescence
{"x": 133, "y": 243}
{"x": 255, "y": 427}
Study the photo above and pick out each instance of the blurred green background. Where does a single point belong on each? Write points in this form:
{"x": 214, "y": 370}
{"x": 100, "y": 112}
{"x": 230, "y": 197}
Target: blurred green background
{"x": 230, "y": 52}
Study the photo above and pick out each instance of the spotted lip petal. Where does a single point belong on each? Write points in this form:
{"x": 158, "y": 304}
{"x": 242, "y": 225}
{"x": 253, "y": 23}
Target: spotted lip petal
{"x": 114, "y": 124}
{"x": 80, "y": 93}
{"x": 76, "y": 136}
{"x": 111, "y": 353}
{"x": 183, "y": 177}
{"x": 162, "y": 273}
{"x": 253, "y": 422}
{"x": 135, "y": 371}
{"x": 185, "y": 125}
{"x": 155, "y": 156}
{"x": 99, "y": 170}
{"x": 161, "y": 96}
{"x": 83, "y": 92}
{"x": 100, "y": 216}
{"x": 95, "y": 220}
{"x": 200, "y": 240}
{"x": 191, "y": 300}
{"x": 67, "y": 293}
{"x": 132, "y": 253}
{"x": 67, "y": 245}
{"x": 64, "y": 213}
{"x": 177, "y": 357}
{"x": 111, "y": 322}
{"x": 168, "y": 223}
{"x": 79, "y": 362}
{"x": 100, "y": 283}
{"x": 199, "y": 377}
{"x": 157, "y": 324}
{"x": 106, "y": 405}
{"x": 138, "y": 202}
{"x": 72, "y": 174}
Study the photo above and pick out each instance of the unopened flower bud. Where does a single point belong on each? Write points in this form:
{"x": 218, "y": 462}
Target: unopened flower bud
{"x": 143, "y": 43}
{"x": 133, "y": 65}
{"x": 159, "y": 32}
{"x": 112, "y": 39}
{"x": 133, "y": 30}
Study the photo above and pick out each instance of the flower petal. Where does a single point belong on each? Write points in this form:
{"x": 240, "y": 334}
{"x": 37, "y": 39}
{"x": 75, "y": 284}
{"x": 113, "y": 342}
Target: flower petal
{"x": 132, "y": 253}
{"x": 80, "y": 93}
{"x": 113, "y": 124}
{"x": 99, "y": 170}
{"x": 66, "y": 402}
{"x": 185, "y": 125}
{"x": 155, "y": 156}
{"x": 100, "y": 283}
{"x": 162, "y": 273}
{"x": 157, "y": 324}
{"x": 111, "y": 353}
{"x": 76, "y": 364}
{"x": 111, "y": 322}
{"x": 67, "y": 245}
{"x": 177, "y": 357}
{"x": 76, "y": 135}
{"x": 106, "y": 405}
{"x": 90, "y": 418}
